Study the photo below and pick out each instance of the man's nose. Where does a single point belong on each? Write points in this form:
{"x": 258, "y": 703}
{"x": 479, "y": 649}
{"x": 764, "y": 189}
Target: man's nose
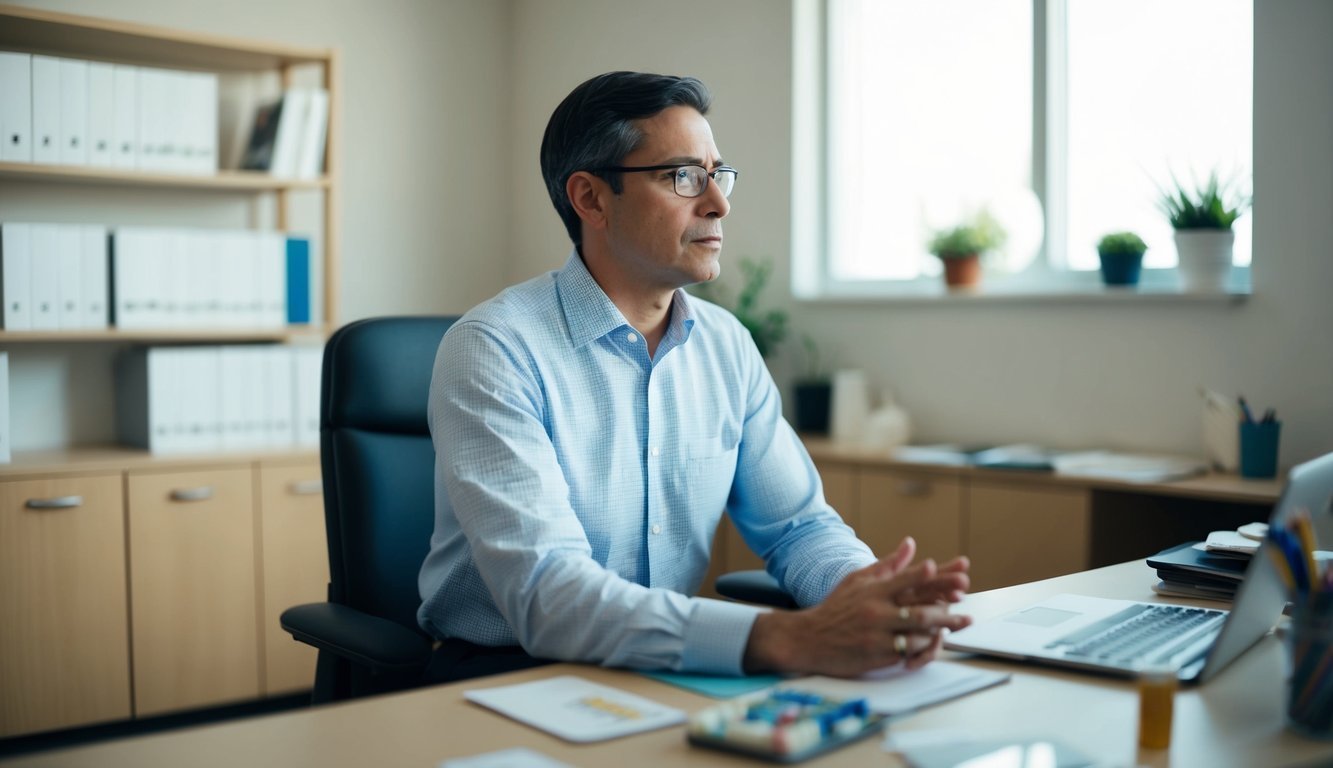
{"x": 712, "y": 202}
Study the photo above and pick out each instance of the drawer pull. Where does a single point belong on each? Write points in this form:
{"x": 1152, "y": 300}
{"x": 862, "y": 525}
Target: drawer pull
{"x": 202, "y": 493}
{"x": 59, "y": 502}
{"x": 913, "y": 488}
{"x": 306, "y": 488}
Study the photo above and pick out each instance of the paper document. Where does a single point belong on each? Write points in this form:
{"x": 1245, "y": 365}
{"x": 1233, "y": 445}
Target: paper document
{"x": 896, "y": 690}
{"x": 576, "y": 709}
{"x": 716, "y": 686}
{"x": 516, "y": 757}
{"x": 1130, "y": 468}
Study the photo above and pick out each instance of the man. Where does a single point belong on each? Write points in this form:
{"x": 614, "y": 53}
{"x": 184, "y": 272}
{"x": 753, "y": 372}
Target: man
{"x": 591, "y": 426}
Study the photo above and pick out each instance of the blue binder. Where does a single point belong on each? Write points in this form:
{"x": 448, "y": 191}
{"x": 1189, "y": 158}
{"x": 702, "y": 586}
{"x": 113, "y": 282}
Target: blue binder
{"x": 298, "y": 281}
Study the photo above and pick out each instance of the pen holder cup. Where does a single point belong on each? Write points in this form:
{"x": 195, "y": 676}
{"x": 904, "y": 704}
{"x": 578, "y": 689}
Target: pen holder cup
{"x": 1310, "y": 640}
{"x": 1258, "y": 448}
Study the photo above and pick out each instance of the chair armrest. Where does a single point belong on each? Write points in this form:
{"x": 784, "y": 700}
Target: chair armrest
{"x": 753, "y": 587}
{"x": 370, "y": 641}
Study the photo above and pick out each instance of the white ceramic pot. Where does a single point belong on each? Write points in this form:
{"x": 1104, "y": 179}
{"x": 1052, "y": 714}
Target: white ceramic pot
{"x": 1205, "y": 258}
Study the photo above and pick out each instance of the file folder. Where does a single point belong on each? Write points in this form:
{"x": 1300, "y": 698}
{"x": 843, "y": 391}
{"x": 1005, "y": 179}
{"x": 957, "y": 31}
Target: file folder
{"x": 16, "y": 107}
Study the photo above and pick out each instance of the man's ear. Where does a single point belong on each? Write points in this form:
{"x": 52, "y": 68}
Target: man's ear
{"x": 588, "y": 196}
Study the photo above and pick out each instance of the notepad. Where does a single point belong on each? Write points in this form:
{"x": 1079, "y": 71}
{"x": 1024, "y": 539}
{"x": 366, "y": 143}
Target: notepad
{"x": 575, "y": 709}
{"x": 896, "y": 690}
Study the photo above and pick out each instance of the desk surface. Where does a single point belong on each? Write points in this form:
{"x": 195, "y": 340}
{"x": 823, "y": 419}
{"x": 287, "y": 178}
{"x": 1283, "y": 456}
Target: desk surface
{"x": 1235, "y": 720}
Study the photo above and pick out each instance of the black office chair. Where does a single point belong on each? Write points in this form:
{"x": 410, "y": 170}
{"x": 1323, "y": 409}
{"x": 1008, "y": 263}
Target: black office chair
{"x": 753, "y": 587}
{"x": 378, "y": 466}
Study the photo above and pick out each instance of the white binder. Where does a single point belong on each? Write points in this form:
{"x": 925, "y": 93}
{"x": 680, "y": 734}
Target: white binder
{"x": 16, "y": 107}
{"x": 154, "y": 143}
{"x": 101, "y": 114}
{"x": 73, "y": 112}
{"x": 233, "y": 378}
{"x": 46, "y": 110}
{"x": 282, "y": 430}
{"x": 273, "y": 279}
{"x": 200, "y": 109}
{"x": 69, "y": 280}
{"x": 16, "y": 275}
{"x": 93, "y": 270}
{"x": 291, "y": 126}
{"x": 45, "y": 277}
{"x": 125, "y": 123}
{"x": 6, "y": 439}
{"x": 314, "y": 131}
{"x": 309, "y": 364}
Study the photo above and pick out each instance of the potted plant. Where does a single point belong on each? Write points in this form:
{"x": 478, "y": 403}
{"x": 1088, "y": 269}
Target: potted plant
{"x": 814, "y": 392}
{"x": 1202, "y": 220}
{"x": 1122, "y": 258}
{"x": 960, "y": 248}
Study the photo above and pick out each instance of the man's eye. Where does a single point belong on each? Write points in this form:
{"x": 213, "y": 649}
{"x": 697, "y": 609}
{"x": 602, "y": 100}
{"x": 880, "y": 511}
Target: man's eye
{"x": 682, "y": 173}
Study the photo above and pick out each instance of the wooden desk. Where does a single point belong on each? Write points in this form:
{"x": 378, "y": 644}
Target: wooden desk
{"x": 1236, "y": 720}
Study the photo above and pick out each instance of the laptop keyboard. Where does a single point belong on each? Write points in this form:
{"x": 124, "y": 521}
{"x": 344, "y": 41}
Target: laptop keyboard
{"x": 1141, "y": 634}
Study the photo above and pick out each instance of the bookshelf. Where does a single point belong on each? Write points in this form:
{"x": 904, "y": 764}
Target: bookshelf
{"x": 133, "y": 584}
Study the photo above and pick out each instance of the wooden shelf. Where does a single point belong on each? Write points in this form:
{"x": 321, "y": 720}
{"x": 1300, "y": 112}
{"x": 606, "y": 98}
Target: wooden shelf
{"x": 222, "y": 181}
{"x": 47, "y": 32}
{"x": 105, "y": 335}
{"x": 96, "y": 459}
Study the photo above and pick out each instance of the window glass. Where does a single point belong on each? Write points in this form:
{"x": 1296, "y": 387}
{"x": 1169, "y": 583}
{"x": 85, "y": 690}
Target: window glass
{"x": 1154, "y": 89}
{"x": 930, "y": 117}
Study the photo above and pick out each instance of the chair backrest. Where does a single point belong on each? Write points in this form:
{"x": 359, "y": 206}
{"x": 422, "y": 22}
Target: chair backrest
{"x": 378, "y": 462}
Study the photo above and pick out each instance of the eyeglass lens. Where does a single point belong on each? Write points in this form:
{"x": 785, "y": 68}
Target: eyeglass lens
{"x": 692, "y": 179}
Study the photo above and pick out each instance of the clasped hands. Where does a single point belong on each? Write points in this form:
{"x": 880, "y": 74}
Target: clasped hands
{"x": 891, "y": 611}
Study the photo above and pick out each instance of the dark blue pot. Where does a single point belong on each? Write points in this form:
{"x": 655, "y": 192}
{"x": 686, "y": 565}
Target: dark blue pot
{"x": 1121, "y": 268}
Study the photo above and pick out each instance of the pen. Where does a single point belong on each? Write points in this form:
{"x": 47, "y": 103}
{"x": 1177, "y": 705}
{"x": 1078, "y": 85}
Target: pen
{"x": 1245, "y": 409}
{"x": 1270, "y": 416}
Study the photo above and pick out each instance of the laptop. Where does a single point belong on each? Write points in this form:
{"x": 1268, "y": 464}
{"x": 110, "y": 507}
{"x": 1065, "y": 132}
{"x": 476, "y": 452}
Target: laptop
{"x": 1120, "y": 637}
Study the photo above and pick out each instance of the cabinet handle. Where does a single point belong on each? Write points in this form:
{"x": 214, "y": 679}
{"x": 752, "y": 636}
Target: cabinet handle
{"x": 306, "y": 488}
{"x": 59, "y": 502}
{"x": 202, "y": 493}
{"x": 913, "y": 488}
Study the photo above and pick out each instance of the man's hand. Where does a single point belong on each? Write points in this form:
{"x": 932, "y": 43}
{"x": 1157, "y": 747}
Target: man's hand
{"x": 885, "y": 613}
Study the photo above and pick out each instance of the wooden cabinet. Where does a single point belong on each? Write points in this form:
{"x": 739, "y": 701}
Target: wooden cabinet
{"x": 194, "y": 606}
{"x": 1019, "y": 533}
{"x": 295, "y": 568}
{"x": 64, "y": 632}
{"x": 897, "y": 503}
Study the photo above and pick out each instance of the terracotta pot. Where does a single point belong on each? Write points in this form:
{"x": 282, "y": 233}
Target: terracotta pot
{"x": 962, "y": 272}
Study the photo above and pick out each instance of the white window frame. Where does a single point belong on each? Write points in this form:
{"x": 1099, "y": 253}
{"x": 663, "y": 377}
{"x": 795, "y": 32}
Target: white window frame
{"x": 811, "y": 276}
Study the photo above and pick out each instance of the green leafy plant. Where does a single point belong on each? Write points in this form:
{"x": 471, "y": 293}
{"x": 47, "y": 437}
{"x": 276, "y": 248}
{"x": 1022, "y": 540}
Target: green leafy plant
{"x": 812, "y": 365}
{"x": 974, "y": 236}
{"x": 1212, "y": 205}
{"x": 767, "y": 327}
{"x": 1121, "y": 244}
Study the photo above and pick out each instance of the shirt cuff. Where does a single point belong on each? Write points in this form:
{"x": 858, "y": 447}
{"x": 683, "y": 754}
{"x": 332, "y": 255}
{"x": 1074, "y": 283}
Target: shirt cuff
{"x": 716, "y": 636}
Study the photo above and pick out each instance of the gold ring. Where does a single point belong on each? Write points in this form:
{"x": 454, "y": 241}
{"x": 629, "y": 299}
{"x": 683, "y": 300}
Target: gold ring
{"x": 900, "y": 644}
{"x": 904, "y": 613}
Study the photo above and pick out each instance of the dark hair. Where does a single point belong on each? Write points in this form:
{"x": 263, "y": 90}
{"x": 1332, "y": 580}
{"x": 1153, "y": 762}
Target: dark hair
{"x": 594, "y": 128}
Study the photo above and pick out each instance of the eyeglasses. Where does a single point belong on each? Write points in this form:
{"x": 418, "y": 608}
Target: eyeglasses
{"x": 690, "y": 180}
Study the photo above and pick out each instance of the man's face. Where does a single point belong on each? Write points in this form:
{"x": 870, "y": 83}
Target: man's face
{"x": 660, "y": 238}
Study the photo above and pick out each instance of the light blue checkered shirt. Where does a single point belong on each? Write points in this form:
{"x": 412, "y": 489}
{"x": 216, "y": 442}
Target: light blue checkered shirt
{"x": 579, "y": 483}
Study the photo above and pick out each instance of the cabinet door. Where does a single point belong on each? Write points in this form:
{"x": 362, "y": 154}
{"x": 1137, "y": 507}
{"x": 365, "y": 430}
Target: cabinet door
{"x": 64, "y": 635}
{"x": 1017, "y": 534}
{"x": 897, "y": 503}
{"x": 296, "y": 567}
{"x": 192, "y": 586}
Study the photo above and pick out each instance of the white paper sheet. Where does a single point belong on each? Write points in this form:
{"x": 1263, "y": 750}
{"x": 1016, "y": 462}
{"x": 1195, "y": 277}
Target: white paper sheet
{"x": 576, "y": 709}
{"x": 895, "y": 690}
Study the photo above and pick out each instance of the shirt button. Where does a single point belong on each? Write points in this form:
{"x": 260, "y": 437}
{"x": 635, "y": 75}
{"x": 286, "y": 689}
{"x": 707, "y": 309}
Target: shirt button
{"x": 657, "y": 529}
{"x": 654, "y": 451}
{"x": 631, "y": 337}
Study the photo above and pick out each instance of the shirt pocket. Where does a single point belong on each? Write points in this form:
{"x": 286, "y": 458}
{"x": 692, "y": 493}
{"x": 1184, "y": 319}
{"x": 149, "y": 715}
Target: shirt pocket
{"x": 710, "y": 469}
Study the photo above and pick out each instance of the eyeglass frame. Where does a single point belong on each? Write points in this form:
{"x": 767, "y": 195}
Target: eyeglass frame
{"x": 709, "y": 175}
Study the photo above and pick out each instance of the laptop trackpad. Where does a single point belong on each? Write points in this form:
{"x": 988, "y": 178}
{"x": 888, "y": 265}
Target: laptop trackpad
{"x": 1043, "y": 617}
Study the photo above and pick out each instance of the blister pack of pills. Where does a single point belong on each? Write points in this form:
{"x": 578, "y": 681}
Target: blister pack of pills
{"x": 784, "y": 725}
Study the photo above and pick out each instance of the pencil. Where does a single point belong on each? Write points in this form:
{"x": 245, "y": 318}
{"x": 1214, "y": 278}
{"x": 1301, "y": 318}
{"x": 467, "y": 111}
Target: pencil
{"x": 1281, "y": 564}
{"x": 1305, "y": 534}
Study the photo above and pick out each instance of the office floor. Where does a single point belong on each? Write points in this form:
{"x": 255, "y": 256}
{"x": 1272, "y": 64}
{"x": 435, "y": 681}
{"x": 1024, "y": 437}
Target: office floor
{"x": 22, "y": 745}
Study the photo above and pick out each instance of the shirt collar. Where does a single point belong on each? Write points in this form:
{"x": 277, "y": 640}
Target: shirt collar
{"x": 590, "y": 314}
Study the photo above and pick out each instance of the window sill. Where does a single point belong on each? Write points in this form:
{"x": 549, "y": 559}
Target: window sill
{"x": 1160, "y": 288}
